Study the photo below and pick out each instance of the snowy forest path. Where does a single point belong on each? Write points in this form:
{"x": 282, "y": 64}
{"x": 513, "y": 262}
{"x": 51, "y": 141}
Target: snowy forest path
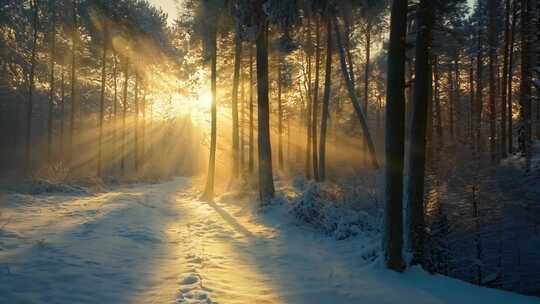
{"x": 158, "y": 243}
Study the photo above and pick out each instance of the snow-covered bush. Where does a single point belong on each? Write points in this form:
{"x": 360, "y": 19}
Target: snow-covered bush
{"x": 323, "y": 206}
{"x": 41, "y": 186}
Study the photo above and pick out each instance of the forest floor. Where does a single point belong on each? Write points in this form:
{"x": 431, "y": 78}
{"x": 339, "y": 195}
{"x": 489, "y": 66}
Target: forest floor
{"x": 157, "y": 243}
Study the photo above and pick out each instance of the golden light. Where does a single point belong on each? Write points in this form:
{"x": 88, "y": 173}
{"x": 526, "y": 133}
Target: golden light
{"x": 205, "y": 99}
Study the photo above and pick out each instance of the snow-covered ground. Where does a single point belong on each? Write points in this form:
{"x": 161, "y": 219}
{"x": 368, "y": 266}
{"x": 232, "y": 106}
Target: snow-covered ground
{"x": 159, "y": 244}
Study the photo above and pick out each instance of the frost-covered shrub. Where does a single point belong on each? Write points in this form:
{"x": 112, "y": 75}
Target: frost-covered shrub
{"x": 323, "y": 207}
{"x": 41, "y": 186}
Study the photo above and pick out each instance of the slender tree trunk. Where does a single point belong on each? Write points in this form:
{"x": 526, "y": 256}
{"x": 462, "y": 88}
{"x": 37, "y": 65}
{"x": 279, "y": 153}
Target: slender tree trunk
{"x": 437, "y": 97}
{"x": 62, "y": 110}
{"x": 242, "y": 119}
{"x": 471, "y": 102}
{"x": 136, "y": 131}
{"x": 309, "y": 132}
{"x": 208, "y": 194}
{"x": 492, "y": 37}
{"x": 354, "y": 99}
{"x": 124, "y": 112}
{"x": 28, "y": 151}
{"x": 74, "y": 105}
{"x": 102, "y": 98}
{"x": 115, "y": 107}
{"x": 51, "y": 81}
{"x": 395, "y": 139}
{"x": 457, "y": 97}
{"x": 417, "y": 146}
{"x": 479, "y": 90}
{"x": 326, "y": 100}
{"x": 451, "y": 102}
{"x": 504, "y": 84}
{"x": 510, "y": 80}
{"x": 525, "y": 82}
{"x": 266, "y": 183}
{"x": 251, "y": 122}
{"x": 368, "y": 67}
{"x": 143, "y": 131}
{"x": 234, "y": 107}
{"x": 280, "y": 113}
{"x": 316, "y": 99}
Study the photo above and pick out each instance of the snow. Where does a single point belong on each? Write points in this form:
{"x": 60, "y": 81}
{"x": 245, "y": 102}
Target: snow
{"x": 159, "y": 244}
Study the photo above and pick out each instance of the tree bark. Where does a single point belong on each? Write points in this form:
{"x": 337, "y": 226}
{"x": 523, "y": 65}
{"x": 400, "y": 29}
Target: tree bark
{"x": 251, "y": 122}
{"x": 525, "y": 83}
{"x": 74, "y": 104}
{"x": 395, "y": 125}
{"x": 136, "y": 131}
{"x": 208, "y": 194}
{"x": 354, "y": 99}
{"x": 479, "y": 90}
{"x": 234, "y": 107}
{"x": 417, "y": 146}
{"x": 242, "y": 119}
{"x": 102, "y": 98}
{"x": 280, "y": 112}
{"x": 115, "y": 108}
{"x": 51, "y": 81}
{"x": 266, "y": 182}
{"x": 309, "y": 107}
{"x": 326, "y": 100}
{"x": 438, "y": 111}
{"x": 28, "y": 148}
{"x": 124, "y": 112}
{"x": 315, "y": 102}
{"x": 504, "y": 84}
{"x": 367, "y": 69}
{"x": 511, "y": 80}
{"x": 492, "y": 37}
{"x": 62, "y": 110}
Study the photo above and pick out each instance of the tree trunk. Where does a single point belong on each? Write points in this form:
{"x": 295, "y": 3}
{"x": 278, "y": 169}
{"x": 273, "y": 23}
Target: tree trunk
{"x": 457, "y": 97}
{"x": 451, "y": 102}
{"x": 280, "y": 113}
{"x": 492, "y": 37}
{"x": 115, "y": 108}
{"x": 266, "y": 182}
{"x": 62, "y": 110}
{"x": 326, "y": 100}
{"x": 354, "y": 99}
{"x": 234, "y": 107}
{"x": 124, "y": 112}
{"x": 242, "y": 119}
{"x": 136, "y": 135}
{"x": 525, "y": 83}
{"x": 28, "y": 151}
{"x": 74, "y": 105}
{"x": 479, "y": 103}
{"x": 471, "y": 102}
{"x": 309, "y": 108}
{"x": 102, "y": 98}
{"x": 208, "y": 194}
{"x": 143, "y": 131}
{"x": 504, "y": 85}
{"x": 510, "y": 80}
{"x": 395, "y": 125}
{"x": 437, "y": 97}
{"x": 51, "y": 81}
{"x": 251, "y": 122}
{"x": 315, "y": 102}
{"x": 417, "y": 146}
{"x": 367, "y": 69}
